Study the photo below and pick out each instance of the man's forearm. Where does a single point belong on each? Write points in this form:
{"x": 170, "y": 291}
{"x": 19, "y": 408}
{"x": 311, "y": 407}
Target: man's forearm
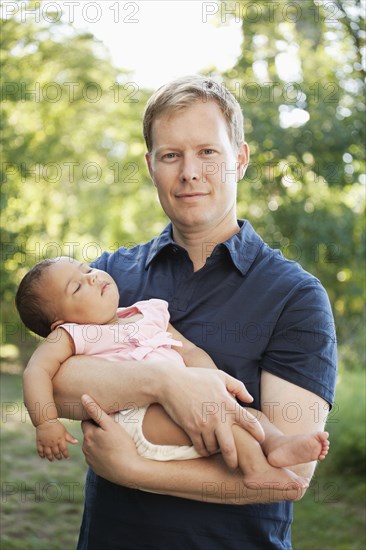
{"x": 114, "y": 385}
{"x": 205, "y": 480}
{"x": 112, "y": 454}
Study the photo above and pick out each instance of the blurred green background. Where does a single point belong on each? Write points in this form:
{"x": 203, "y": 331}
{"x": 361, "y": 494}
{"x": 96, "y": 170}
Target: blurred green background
{"x": 73, "y": 181}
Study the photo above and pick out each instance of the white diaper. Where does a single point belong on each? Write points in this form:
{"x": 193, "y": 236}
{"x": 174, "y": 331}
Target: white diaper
{"x": 132, "y": 419}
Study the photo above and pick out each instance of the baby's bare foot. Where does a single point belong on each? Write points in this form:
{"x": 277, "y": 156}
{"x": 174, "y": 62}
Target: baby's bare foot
{"x": 275, "y": 478}
{"x": 286, "y": 450}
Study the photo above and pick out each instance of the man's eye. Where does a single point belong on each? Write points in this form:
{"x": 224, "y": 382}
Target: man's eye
{"x": 77, "y": 289}
{"x": 169, "y": 155}
{"x": 208, "y": 151}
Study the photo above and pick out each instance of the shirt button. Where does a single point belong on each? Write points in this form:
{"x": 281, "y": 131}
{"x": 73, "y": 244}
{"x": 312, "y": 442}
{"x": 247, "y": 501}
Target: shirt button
{"x": 175, "y": 249}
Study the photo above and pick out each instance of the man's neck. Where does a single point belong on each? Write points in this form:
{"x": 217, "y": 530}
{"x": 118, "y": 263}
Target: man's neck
{"x": 200, "y": 242}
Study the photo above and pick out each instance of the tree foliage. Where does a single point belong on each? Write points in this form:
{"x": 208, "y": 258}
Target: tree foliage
{"x": 73, "y": 174}
{"x": 300, "y": 81}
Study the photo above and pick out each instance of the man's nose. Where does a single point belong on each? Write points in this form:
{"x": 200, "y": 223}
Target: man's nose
{"x": 190, "y": 169}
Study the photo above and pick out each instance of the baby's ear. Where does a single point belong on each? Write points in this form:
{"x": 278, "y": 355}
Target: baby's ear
{"x": 55, "y": 324}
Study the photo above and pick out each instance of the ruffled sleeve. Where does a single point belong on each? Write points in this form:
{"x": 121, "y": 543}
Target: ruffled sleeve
{"x": 76, "y": 333}
{"x": 155, "y": 311}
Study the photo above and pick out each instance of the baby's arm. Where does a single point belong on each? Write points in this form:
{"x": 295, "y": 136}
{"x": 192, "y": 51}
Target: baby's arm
{"x": 38, "y": 394}
{"x": 192, "y": 355}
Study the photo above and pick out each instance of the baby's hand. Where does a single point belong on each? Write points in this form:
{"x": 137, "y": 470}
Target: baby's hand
{"x": 52, "y": 438}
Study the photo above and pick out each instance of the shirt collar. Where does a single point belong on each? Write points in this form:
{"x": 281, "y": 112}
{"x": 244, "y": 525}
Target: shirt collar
{"x": 243, "y": 247}
{"x": 159, "y": 243}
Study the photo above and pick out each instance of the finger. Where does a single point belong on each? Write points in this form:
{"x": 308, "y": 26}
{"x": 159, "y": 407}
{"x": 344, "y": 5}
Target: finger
{"x": 71, "y": 439}
{"x": 250, "y": 423}
{"x": 237, "y": 388}
{"x": 226, "y": 441}
{"x": 199, "y": 444}
{"x": 95, "y": 412}
{"x": 48, "y": 453}
{"x": 56, "y": 452}
{"x": 40, "y": 451}
{"x": 87, "y": 426}
{"x": 210, "y": 442}
{"x": 64, "y": 450}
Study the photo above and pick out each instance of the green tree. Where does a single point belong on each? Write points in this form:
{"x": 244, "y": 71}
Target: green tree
{"x": 73, "y": 178}
{"x": 299, "y": 79}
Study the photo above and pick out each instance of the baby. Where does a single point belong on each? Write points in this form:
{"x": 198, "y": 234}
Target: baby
{"x": 75, "y": 307}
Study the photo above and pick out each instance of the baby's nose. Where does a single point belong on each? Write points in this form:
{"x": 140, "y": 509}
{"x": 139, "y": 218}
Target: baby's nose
{"x": 92, "y": 278}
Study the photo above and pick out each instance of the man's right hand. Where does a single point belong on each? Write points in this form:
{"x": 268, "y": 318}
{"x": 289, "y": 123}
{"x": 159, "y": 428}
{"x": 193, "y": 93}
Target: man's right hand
{"x": 201, "y": 401}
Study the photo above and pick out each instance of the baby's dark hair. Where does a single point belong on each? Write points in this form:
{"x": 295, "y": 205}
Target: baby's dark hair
{"x": 33, "y": 309}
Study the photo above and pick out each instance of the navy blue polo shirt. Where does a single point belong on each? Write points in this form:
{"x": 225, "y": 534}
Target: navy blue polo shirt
{"x": 250, "y": 309}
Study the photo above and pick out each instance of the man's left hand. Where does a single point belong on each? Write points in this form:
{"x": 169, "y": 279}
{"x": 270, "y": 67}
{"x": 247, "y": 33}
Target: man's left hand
{"x": 108, "y": 449}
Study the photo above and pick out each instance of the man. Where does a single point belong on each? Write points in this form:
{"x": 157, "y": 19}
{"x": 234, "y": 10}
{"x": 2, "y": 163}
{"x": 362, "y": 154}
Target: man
{"x": 263, "y": 320}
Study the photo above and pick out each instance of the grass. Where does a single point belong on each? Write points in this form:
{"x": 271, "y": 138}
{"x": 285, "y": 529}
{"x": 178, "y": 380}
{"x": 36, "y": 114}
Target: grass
{"x": 330, "y": 516}
{"x": 41, "y": 502}
{"x": 332, "y": 513}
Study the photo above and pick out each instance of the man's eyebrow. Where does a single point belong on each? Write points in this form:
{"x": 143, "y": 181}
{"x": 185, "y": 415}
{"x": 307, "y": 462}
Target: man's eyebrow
{"x": 208, "y": 145}
{"x": 205, "y": 145}
{"x": 164, "y": 147}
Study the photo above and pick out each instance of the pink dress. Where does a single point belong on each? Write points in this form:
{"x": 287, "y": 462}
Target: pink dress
{"x": 146, "y": 338}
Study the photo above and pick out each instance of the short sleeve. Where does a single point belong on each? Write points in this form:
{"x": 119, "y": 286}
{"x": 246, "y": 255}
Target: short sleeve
{"x": 155, "y": 311}
{"x": 76, "y": 333}
{"x": 302, "y": 348}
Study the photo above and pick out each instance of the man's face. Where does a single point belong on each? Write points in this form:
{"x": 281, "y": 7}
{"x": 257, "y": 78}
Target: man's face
{"x": 195, "y": 167}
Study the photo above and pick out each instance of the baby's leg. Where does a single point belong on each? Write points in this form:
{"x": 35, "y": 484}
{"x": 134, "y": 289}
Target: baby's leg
{"x": 160, "y": 429}
{"x": 288, "y": 450}
{"x": 257, "y": 470}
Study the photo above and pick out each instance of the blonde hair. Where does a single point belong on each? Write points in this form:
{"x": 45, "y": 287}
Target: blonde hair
{"x": 182, "y": 93}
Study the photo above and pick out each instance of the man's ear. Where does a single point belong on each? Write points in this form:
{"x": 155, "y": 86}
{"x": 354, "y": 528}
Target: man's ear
{"x": 242, "y": 160}
{"x": 55, "y": 324}
{"x": 149, "y": 166}
{"x": 148, "y": 162}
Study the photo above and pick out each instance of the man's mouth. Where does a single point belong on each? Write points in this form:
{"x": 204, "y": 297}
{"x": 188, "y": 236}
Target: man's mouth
{"x": 191, "y": 195}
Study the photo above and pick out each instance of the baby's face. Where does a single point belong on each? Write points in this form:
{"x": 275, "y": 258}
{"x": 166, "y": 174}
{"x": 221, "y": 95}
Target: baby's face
{"x": 79, "y": 293}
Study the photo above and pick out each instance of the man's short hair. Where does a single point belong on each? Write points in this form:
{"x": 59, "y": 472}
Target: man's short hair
{"x": 34, "y": 309}
{"x": 182, "y": 93}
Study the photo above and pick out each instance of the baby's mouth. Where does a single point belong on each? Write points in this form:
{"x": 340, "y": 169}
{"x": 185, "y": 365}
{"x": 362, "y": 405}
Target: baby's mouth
{"x": 104, "y": 287}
